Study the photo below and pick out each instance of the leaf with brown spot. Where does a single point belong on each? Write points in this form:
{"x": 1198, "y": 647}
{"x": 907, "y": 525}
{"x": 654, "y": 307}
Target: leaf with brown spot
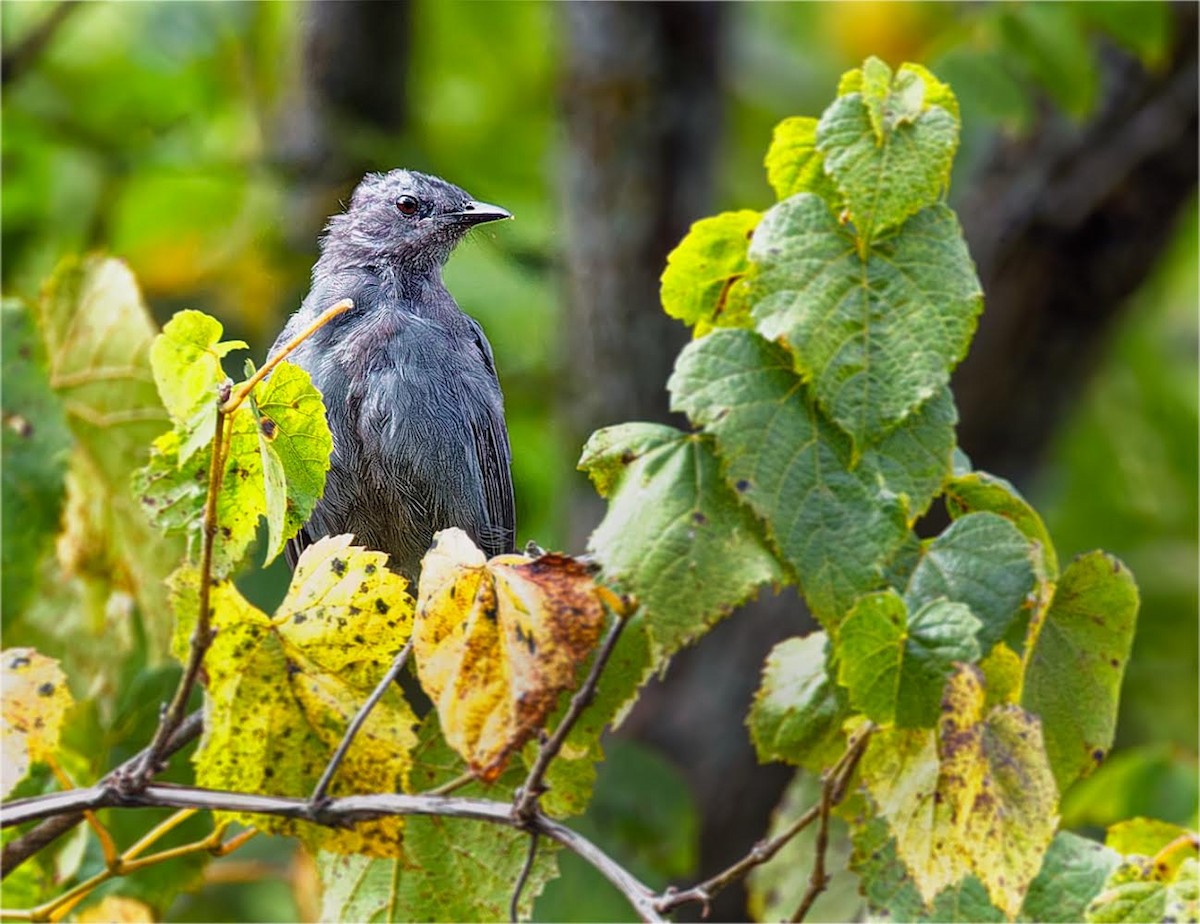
{"x": 36, "y": 699}
{"x": 497, "y": 641}
{"x": 976, "y": 797}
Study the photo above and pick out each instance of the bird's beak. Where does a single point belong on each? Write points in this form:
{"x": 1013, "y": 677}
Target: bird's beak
{"x": 476, "y": 213}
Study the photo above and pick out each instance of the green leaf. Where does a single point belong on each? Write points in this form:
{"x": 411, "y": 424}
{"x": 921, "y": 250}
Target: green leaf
{"x": 876, "y": 331}
{"x": 173, "y": 492}
{"x": 887, "y": 151}
{"x": 1079, "y": 657}
{"x": 572, "y": 775}
{"x": 1135, "y": 892}
{"x": 35, "y": 442}
{"x": 979, "y": 491}
{"x": 701, "y": 285}
{"x": 275, "y": 467}
{"x": 452, "y": 869}
{"x": 675, "y": 535}
{"x": 186, "y": 359}
{"x": 894, "y": 666}
{"x": 976, "y": 798}
{"x": 1072, "y": 873}
{"x": 295, "y": 445}
{"x": 835, "y": 522}
{"x": 97, "y": 333}
{"x": 794, "y": 165}
{"x": 798, "y": 711}
{"x": 981, "y": 560}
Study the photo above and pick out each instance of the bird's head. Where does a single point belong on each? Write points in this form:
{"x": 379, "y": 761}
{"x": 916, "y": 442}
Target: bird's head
{"x": 404, "y": 219}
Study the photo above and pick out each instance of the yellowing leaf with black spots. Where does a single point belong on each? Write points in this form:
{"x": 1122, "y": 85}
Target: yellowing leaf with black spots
{"x": 35, "y": 700}
{"x": 976, "y": 796}
{"x": 702, "y": 284}
{"x": 282, "y": 689}
{"x": 497, "y": 641}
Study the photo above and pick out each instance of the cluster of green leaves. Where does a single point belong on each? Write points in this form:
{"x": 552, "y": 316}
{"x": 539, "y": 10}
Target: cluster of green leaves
{"x": 826, "y": 329}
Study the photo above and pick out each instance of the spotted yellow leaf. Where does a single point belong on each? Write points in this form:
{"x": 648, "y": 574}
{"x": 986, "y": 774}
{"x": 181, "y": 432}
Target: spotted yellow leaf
{"x": 976, "y": 796}
{"x": 497, "y": 641}
{"x": 282, "y": 689}
{"x": 35, "y": 700}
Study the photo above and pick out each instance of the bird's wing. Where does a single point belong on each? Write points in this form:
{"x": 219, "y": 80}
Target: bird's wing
{"x": 492, "y": 451}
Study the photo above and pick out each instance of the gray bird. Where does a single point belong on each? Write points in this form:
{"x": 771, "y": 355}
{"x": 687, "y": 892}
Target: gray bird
{"x": 410, "y": 387}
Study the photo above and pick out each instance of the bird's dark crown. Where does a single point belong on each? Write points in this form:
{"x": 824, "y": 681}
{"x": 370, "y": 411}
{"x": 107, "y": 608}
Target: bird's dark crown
{"x": 402, "y": 221}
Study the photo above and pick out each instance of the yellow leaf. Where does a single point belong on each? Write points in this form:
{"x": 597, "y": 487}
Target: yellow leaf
{"x": 497, "y": 641}
{"x": 117, "y": 909}
{"x": 283, "y": 689}
{"x": 35, "y": 700}
{"x": 976, "y": 796}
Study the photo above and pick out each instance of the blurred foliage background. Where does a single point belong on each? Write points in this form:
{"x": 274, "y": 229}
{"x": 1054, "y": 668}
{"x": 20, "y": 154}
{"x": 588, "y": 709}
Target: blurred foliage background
{"x": 206, "y": 143}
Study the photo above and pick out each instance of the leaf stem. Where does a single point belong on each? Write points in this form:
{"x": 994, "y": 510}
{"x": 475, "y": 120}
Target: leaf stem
{"x": 514, "y": 904}
{"x": 202, "y": 634}
{"x": 242, "y": 391}
{"x": 526, "y": 799}
{"x": 452, "y": 785}
{"x": 322, "y": 787}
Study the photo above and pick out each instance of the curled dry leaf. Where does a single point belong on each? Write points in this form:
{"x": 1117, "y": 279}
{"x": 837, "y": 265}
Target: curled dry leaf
{"x": 36, "y": 699}
{"x": 497, "y": 641}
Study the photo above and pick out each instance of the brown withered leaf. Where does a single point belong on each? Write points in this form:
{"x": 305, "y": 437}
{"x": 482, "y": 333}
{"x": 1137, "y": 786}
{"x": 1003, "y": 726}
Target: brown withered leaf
{"x": 497, "y": 641}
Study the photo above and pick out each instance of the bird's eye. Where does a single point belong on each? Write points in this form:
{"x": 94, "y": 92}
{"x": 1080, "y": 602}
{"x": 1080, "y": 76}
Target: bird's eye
{"x": 407, "y": 205}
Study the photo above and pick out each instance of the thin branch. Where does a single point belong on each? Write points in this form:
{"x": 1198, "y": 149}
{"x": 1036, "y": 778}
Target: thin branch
{"x": 15, "y": 61}
{"x": 514, "y": 905}
{"x": 336, "y": 813}
{"x": 525, "y": 802}
{"x": 37, "y": 839}
{"x": 319, "y": 791}
{"x": 818, "y": 879}
{"x": 465, "y": 779}
{"x": 760, "y": 853}
{"x": 834, "y": 790}
{"x": 234, "y": 401}
{"x": 152, "y": 758}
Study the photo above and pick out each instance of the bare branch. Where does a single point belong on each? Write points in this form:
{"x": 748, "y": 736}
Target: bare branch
{"x": 235, "y": 400}
{"x": 515, "y": 904}
{"x": 836, "y": 779}
{"x": 818, "y": 879}
{"x": 318, "y": 793}
{"x": 336, "y": 813}
{"x": 525, "y": 802}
